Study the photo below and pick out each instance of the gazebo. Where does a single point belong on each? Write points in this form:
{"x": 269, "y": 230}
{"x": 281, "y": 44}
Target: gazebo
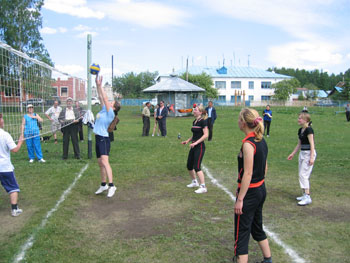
{"x": 176, "y": 91}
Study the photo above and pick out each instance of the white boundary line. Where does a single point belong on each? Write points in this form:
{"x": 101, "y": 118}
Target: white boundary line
{"x": 294, "y": 255}
{"x": 29, "y": 243}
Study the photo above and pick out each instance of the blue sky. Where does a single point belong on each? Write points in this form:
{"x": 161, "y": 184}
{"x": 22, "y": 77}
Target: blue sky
{"x": 159, "y": 35}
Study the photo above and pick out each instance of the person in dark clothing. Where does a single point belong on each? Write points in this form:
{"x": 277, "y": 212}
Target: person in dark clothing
{"x": 347, "y": 112}
{"x": 267, "y": 114}
{"x": 251, "y": 191}
{"x": 146, "y": 114}
{"x": 162, "y": 113}
{"x": 69, "y": 117}
{"x": 211, "y": 118}
{"x": 80, "y": 123}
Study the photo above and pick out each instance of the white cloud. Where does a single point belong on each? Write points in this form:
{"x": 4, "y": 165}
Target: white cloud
{"x": 82, "y": 28}
{"x": 306, "y": 55}
{"x": 48, "y": 31}
{"x": 72, "y": 69}
{"x": 51, "y": 31}
{"x": 76, "y": 8}
{"x": 85, "y": 33}
{"x": 143, "y": 13}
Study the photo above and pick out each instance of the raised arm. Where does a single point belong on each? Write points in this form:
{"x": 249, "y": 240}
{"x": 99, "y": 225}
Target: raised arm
{"x": 101, "y": 93}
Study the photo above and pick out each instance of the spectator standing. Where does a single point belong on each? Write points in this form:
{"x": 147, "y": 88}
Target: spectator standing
{"x": 146, "y": 114}
{"x": 211, "y": 111}
{"x": 347, "y": 112}
{"x": 7, "y": 175}
{"x": 80, "y": 123}
{"x": 162, "y": 113}
{"x": 267, "y": 114}
{"x": 30, "y": 128}
{"x": 69, "y": 117}
{"x": 52, "y": 114}
{"x": 156, "y": 126}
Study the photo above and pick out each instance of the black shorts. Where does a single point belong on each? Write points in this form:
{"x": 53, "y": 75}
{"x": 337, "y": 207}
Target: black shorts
{"x": 195, "y": 157}
{"x": 251, "y": 221}
{"x": 102, "y": 145}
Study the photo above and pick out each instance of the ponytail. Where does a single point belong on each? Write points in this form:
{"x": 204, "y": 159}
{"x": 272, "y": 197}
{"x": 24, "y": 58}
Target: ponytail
{"x": 254, "y": 121}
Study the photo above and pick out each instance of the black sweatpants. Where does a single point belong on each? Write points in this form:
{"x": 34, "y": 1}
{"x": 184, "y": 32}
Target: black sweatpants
{"x": 210, "y": 128}
{"x": 195, "y": 157}
{"x": 267, "y": 126}
{"x": 251, "y": 221}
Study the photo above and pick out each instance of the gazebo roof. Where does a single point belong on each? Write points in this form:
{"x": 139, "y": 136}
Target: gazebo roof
{"x": 173, "y": 84}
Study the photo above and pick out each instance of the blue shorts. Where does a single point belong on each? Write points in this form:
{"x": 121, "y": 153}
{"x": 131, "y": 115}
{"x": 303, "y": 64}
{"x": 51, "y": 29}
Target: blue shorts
{"x": 9, "y": 182}
{"x": 102, "y": 146}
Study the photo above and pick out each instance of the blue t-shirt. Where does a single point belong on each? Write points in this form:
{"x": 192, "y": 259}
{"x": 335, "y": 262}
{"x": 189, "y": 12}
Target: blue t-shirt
{"x": 103, "y": 119}
{"x": 266, "y": 117}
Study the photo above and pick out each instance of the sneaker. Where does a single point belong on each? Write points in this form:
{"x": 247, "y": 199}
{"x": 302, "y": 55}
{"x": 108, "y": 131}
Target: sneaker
{"x": 16, "y": 212}
{"x": 157, "y": 134}
{"x": 111, "y": 191}
{"x": 42, "y": 161}
{"x": 299, "y": 198}
{"x": 201, "y": 190}
{"x": 152, "y": 135}
{"x": 193, "y": 184}
{"x": 101, "y": 189}
{"x": 268, "y": 135}
{"x": 306, "y": 201}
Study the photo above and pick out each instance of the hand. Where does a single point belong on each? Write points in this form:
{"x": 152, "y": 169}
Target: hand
{"x": 98, "y": 81}
{"x": 21, "y": 137}
{"x": 239, "y": 207}
{"x": 184, "y": 142}
{"x": 311, "y": 162}
{"x": 290, "y": 157}
{"x": 193, "y": 145}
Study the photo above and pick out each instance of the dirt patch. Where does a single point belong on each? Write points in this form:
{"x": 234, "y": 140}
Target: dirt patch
{"x": 132, "y": 213}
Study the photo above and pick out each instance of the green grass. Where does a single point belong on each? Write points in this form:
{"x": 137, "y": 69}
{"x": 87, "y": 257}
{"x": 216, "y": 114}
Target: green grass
{"x": 154, "y": 218}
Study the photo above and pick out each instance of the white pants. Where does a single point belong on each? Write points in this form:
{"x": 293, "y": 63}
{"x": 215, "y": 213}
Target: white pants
{"x": 305, "y": 169}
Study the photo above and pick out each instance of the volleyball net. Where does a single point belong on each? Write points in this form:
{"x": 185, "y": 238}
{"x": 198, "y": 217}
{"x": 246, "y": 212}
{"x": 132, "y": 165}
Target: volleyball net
{"x": 26, "y": 81}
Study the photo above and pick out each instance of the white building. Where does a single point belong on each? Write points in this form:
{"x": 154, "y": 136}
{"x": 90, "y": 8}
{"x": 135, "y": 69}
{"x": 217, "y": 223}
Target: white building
{"x": 256, "y": 83}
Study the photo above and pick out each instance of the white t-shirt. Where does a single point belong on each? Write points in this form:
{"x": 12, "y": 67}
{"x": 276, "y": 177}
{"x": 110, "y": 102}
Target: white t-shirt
{"x": 54, "y": 112}
{"x": 6, "y": 145}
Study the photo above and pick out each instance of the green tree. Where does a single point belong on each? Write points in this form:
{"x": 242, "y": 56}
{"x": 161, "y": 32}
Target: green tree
{"x": 204, "y": 81}
{"x": 130, "y": 85}
{"x": 312, "y": 92}
{"x": 19, "y": 27}
{"x": 285, "y": 88}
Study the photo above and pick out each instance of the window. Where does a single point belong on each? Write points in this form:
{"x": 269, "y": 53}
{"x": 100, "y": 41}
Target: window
{"x": 232, "y": 98}
{"x": 222, "y": 98}
{"x": 265, "y": 98}
{"x": 235, "y": 85}
{"x": 64, "y": 92}
{"x": 251, "y": 84}
{"x": 266, "y": 85}
{"x": 251, "y": 98}
{"x": 220, "y": 84}
{"x": 239, "y": 99}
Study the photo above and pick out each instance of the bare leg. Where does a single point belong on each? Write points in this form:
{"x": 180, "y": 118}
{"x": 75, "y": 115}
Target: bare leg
{"x": 102, "y": 171}
{"x": 107, "y": 170}
{"x": 265, "y": 248}
{"x": 307, "y": 191}
{"x": 201, "y": 177}
{"x": 242, "y": 259}
{"x": 192, "y": 174}
{"x": 14, "y": 198}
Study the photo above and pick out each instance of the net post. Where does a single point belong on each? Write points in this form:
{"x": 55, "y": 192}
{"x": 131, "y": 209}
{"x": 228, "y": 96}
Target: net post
{"x": 89, "y": 43}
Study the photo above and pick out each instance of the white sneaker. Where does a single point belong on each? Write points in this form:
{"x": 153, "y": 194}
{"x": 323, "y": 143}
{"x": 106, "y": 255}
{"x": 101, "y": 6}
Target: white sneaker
{"x": 111, "y": 191}
{"x": 101, "y": 189}
{"x": 306, "y": 201}
{"x": 299, "y": 198}
{"x": 193, "y": 184}
{"x": 16, "y": 212}
{"x": 201, "y": 190}
{"x": 152, "y": 135}
{"x": 157, "y": 134}
{"x": 42, "y": 161}
{"x": 31, "y": 160}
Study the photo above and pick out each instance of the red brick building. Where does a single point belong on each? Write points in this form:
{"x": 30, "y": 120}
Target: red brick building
{"x": 72, "y": 87}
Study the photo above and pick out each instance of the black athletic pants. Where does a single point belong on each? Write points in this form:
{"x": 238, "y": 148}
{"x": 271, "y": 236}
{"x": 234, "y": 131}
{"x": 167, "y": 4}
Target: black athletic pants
{"x": 210, "y": 128}
{"x": 347, "y": 115}
{"x": 251, "y": 221}
{"x": 195, "y": 157}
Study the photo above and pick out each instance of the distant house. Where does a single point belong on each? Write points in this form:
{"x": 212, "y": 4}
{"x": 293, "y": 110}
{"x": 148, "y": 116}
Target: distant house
{"x": 71, "y": 87}
{"x": 319, "y": 94}
{"x": 256, "y": 83}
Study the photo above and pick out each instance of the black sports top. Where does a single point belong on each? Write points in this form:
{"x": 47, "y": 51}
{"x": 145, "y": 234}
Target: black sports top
{"x": 260, "y": 157}
{"x": 305, "y": 144}
{"x": 197, "y": 129}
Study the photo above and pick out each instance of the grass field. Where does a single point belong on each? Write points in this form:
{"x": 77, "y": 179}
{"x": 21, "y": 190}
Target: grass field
{"x": 154, "y": 218}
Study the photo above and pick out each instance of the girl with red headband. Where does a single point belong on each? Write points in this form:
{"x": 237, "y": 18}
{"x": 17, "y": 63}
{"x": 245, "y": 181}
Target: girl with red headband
{"x": 251, "y": 192}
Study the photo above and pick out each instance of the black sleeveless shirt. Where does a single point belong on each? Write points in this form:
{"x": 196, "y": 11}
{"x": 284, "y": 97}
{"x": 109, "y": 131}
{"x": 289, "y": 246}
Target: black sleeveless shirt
{"x": 260, "y": 157}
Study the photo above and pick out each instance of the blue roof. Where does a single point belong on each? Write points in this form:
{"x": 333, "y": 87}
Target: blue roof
{"x": 232, "y": 72}
{"x": 322, "y": 94}
{"x": 339, "y": 89}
